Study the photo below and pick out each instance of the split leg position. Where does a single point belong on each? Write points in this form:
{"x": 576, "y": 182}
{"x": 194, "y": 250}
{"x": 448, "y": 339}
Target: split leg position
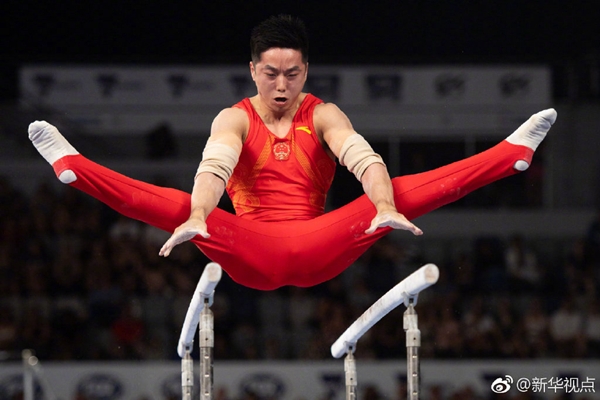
{"x": 268, "y": 255}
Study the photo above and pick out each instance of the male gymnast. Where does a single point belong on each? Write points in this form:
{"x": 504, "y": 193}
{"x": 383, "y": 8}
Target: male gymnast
{"x": 275, "y": 155}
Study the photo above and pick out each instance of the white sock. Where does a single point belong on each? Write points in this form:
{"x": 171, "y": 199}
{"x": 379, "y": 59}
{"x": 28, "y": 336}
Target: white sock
{"x": 52, "y": 146}
{"x": 532, "y": 132}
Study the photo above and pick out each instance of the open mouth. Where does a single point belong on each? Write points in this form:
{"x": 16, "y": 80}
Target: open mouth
{"x": 280, "y": 100}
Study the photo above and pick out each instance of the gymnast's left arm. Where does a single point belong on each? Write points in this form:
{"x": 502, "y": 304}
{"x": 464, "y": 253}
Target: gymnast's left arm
{"x": 378, "y": 187}
{"x": 356, "y": 154}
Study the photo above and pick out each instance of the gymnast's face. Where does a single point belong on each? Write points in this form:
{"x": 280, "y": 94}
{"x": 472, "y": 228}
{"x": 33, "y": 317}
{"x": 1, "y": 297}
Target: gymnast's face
{"x": 279, "y": 75}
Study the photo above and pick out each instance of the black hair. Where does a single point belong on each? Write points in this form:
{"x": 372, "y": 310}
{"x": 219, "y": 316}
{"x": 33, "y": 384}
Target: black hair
{"x": 283, "y": 31}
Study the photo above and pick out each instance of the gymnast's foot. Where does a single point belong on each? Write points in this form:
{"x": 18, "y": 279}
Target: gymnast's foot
{"x": 52, "y": 146}
{"x": 531, "y": 133}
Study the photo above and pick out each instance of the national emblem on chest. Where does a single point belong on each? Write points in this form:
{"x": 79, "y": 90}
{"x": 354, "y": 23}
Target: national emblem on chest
{"x": 282, "y": 150}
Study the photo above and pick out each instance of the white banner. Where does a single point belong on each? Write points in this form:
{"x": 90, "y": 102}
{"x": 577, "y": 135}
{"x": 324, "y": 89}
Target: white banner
{"x": 307, "y": 380}
{"x": 434, "y": 100}
{"x": 225, "y": 85}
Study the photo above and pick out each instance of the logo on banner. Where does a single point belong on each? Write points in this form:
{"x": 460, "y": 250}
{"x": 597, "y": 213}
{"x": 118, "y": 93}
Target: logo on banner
{"x": 44, "y": 83}
{"x": 182, "y": 84}
{"x": 100, "y": 387}
{"x": 107, "y": 84}
{"x": 171, "y": 387}
{"x": 514, "y": 85}
{"x": 265, "y": 386}
{"x": 325, "y": 87}
{"x": 384, "y": 87}
{"x": 243, "y": 85}
{"x": 450, "y": 86}
{"x": 334, "y": 384}
{"x": 110, "y": 82}
{"x": 178, "y": 83}
{"x": 12, "y": 388}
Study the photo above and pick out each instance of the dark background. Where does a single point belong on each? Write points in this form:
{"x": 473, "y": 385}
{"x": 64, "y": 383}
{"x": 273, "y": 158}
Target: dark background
{"x": 562, "y": 34}
{"x": 405, "y": 32}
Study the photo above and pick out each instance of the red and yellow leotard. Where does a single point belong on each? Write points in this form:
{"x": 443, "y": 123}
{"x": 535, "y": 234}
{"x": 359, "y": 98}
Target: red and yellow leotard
{"x": 281, "y": 179}
{"x": 280, "y": 235}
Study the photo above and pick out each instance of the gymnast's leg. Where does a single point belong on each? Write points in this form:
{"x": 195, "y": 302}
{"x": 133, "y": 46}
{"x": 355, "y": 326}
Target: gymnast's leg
{"x": 301, "y": 253}
{"x": 164, "y": 208}
{"x": 338, "y": 237}
{"x": 418, "y": 194}
{"x": 240, "y": 246}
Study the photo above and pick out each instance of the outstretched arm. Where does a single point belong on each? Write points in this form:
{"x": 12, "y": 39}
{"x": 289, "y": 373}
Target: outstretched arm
{"x": 207, "y": 192}
{"x": 354, "y": 152}
{"x": 219, "y": 158}
{"x": 378, "y": 186}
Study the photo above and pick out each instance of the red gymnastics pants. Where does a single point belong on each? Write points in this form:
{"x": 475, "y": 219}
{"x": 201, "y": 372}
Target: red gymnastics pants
{"x": 268, "y": 255}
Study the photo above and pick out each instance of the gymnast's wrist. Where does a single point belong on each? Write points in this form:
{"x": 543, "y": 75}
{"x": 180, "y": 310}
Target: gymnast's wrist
{"x": 385, "y": 206}
{"x": 198, "y": 214}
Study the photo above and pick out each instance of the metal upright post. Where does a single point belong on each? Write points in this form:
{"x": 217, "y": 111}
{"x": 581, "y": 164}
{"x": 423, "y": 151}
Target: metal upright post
{"x": 406, "y": 291}
{"x": 187, "y": 375}
{"x": 28, "y": 359}
{"x": 32, "y": 372}
{"x": 207, "y": 343}
{"x": 200, "y": 317}
{"x": 351, "y": 377}
{"x": 413, "y": 342}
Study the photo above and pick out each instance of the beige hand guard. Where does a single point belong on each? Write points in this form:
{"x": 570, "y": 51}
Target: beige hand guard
{"x": 357, "y": 155}
{"x": 218, "y": 159}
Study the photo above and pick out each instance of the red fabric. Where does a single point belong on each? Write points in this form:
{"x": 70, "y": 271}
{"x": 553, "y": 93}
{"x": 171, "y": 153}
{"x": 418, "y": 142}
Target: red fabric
{"x": 267, "y": 255}
{"x": 127, "y": 330}
{"x": 278, "y": 179}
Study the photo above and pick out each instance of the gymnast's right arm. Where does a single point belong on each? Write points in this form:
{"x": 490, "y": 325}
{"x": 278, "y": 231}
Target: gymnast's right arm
{"x": 219, "y": 158}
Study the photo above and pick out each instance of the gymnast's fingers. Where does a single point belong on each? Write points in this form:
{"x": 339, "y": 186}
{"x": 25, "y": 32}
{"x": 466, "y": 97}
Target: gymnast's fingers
{"x": 395, "y": 221}
{"x": 180, "y": 236}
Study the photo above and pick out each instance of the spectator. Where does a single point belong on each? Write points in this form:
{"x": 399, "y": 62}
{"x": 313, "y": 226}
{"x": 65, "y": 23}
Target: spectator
{"x": 449, "y": 334}
{"x": 370, "y": 392}
{"x": 479, "y": 329}
{"x": 489, "y": 264}
{"x": 566, "y": 328}
{"x": 536, "y": 324}
{"x": 68, "y": 266}
{"x": 464, "y": 273}
{"x": 522, "y": 266}
{"x": 592, "y": 241}
{"x": 161, "y": 143}
{"x": 506, "y": 324}
{"x": 592, "y": 329}
{"x": 35, "y": 332}
{"x": 301, "y": 309}
{"x": 128, "y": 332}
{"x": 8, "y": 328}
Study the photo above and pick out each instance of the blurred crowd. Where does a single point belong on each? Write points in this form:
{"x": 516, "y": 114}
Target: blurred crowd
{"x": 80, "y": 282}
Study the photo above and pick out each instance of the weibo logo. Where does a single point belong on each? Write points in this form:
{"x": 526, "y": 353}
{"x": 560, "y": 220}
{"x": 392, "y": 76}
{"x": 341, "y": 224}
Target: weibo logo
{"x": 502, "y": 385}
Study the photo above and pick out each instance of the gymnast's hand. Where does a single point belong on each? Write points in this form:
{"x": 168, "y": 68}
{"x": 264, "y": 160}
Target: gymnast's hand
{"x": 184, "y": 232}
{"x": 394, "y": 220}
